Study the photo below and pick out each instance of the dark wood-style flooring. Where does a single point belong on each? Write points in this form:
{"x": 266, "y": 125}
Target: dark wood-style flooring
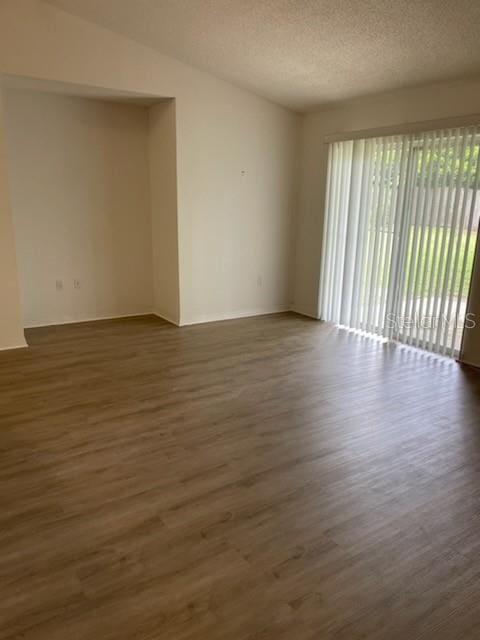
{"x": 269, "y": 478}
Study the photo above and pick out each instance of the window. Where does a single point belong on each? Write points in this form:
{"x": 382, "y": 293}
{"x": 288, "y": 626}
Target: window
{"x": 400, "y": 236}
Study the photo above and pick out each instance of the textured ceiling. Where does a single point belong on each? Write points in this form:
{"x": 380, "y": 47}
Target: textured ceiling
{"x": 304, "y": 53}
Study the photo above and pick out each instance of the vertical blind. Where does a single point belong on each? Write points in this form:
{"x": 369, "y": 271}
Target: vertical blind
{"x": 400, "y": 235}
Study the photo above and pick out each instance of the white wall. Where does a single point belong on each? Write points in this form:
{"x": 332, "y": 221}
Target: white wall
{"x": 470, "y": 353}
{"x": 11, "y": 333}
{"x": 164, "y": 210}
{"x": 231, "y": 228}
{"x": 237, "y": 227}
{"x": 80, "y": 198}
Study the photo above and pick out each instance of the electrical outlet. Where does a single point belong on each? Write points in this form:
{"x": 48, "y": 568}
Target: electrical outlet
{"x": 59, "y": 285}
{"x": 259, "y": 281}
{"x": 76, "y": 284}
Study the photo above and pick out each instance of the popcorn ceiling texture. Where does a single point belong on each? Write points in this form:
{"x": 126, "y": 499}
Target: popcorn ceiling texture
{"x": 304, "y": 53}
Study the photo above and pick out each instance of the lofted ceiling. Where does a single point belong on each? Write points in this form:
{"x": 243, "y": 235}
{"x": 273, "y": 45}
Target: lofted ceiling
{"x": 304, "y": 53}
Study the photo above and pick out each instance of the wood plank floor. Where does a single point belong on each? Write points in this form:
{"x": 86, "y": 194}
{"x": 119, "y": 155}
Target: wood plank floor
{"x": 269, "y": 478}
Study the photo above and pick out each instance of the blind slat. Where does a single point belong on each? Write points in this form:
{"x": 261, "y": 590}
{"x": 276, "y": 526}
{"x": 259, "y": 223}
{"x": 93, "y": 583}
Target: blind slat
{"x": 398, "y": 235}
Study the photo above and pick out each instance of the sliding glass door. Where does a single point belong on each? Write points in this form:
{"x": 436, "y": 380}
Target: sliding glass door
{"x": 400, "y": 234}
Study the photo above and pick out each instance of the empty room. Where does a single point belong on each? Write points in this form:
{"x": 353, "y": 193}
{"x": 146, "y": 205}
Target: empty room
{"x": 239, "y": 320}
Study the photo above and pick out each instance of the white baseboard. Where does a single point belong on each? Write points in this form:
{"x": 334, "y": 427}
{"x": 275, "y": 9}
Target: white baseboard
{"x": 164, "y": 316}
{"x": 16, "y": 346}
{"x": 214, "y": 317}
{"x": 233, "y": 315}
{"x": 468, "y": 364}
{"x": 56, "y": 323}
{"x": 308, "y": 314}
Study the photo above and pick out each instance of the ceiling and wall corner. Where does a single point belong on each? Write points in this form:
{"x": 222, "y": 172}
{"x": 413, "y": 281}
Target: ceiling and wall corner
{"x": 236, "y": 155}
{"x": 304, "y": 54}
